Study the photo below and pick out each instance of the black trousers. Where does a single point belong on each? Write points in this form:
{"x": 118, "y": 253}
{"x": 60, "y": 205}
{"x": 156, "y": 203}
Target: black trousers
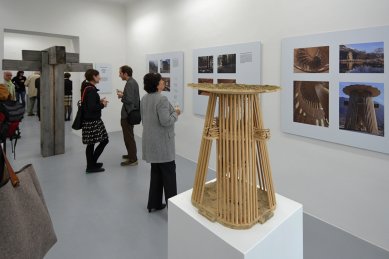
{"x": 163, "y": 178}
{"x": 92, "y": 154}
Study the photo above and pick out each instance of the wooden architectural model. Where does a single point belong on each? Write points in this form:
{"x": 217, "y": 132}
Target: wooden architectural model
{"x": 243, "y": 193}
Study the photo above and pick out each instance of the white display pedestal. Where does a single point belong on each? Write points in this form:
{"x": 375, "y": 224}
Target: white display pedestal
{"x": 192, "y": 236}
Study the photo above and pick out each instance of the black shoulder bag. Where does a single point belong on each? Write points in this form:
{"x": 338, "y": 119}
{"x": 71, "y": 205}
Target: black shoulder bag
{"x": 77, "y": 123}
{"x": 133, "y": 117}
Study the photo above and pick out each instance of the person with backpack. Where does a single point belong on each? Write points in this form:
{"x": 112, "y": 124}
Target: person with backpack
{"x": 93, "y": 129}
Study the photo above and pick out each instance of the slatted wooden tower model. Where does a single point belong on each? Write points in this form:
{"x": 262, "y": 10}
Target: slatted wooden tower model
{"x": 52, "y": 63}
{"x": 243, "y": 193}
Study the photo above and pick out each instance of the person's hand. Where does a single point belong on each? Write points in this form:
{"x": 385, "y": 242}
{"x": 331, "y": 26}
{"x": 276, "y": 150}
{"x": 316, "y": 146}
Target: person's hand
{"x": 104, "y": 102}
{"x": 119, "y": 93}
{"x": 178, "y": 111}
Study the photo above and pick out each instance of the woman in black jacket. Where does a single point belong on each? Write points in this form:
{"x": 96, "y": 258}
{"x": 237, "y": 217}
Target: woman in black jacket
{"x": 93, "y": 129}
{"x": 68, "y": 96}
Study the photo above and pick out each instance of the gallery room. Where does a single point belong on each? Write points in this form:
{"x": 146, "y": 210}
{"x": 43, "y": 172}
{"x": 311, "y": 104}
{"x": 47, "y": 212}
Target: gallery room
{"x": 207, "y": 129}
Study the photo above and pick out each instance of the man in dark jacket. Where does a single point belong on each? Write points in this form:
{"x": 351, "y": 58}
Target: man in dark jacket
{"x": 20, "y": 88}
{"x": 130, "y": 99}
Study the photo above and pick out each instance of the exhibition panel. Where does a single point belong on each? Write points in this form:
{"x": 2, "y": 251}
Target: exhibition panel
{"x": 334, "y": 87}
{"x": 171, "y": 67}
{"x": 239, "y": 63}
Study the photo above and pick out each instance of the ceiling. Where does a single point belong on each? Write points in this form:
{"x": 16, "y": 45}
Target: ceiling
{"x": 117, "y": 1}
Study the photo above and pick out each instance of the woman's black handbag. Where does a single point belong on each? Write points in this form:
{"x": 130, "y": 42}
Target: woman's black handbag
{"x": 77, "y": 123}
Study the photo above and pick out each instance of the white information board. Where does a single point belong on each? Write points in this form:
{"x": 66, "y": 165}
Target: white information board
{"x": 105, "y": 84}
{"x": 240, "y": 63}
{"x": 333, "y": 87}
{"x": 171, "y": 67}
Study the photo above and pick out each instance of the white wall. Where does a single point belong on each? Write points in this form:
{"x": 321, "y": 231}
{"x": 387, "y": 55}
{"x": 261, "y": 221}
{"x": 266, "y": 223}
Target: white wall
{"x": 15, "y": 42}
{"x": 344, "y": 186}
{"x": 101, "y": 28}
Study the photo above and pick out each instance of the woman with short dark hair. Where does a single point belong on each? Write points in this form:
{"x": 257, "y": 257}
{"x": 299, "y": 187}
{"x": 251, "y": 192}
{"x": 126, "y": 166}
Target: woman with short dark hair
{"x": 158, "y": 146}
{"x": 93, "y": 129}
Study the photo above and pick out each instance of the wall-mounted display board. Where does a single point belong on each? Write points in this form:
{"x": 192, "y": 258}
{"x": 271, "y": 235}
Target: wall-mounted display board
{"x": 105, "y": 85}
{"x": 334, "y": 87}
{"x": 239, "y": 63}
{"x": 171, "y": 67}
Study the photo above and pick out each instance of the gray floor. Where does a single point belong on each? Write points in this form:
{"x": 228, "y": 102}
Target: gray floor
{"x": 98, "y": 215}
{"x": 103, "y": 216}
{"x": 323, "y": 241}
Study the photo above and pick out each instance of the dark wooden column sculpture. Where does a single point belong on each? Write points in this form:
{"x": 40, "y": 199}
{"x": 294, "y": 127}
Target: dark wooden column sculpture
{"x": 52, "y": 63}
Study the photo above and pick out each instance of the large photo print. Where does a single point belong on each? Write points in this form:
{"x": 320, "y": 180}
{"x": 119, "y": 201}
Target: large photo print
{"x": 361, "y": 107}
{"x": 361, "y": 58}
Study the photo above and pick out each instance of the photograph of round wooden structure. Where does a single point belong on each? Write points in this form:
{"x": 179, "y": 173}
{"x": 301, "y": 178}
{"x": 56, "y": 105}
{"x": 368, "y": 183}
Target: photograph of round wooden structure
{"x": 243, "y": 192}
{"x": 361, "y": 114}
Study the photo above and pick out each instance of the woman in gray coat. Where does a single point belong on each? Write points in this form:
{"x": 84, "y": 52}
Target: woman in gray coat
{"x": 158, "y": 147}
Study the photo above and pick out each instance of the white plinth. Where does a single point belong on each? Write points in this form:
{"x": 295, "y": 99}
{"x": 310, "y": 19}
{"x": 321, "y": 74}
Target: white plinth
{"x": 192, "y": 236}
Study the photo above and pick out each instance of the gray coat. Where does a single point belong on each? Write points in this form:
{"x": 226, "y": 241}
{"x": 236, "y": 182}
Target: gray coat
{"x": 130, "y": 97}
{"x": 158, "y": 118}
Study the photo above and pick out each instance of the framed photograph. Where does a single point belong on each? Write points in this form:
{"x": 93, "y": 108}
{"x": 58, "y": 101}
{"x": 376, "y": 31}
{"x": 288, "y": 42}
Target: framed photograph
{"x": 171, "y": 66}
{"x": 226, "y": 81}
{"x": 164, "y": 66}
{"x": 362, "y": 107}
{"x": 333, "y": 87}
{"x": 238, "y": 63}
{"x": 167, "y": 84}
{"x": 361, "y": 58}
{"x": 153, "y": 66}
{"x": 311, "y": 60}
{"x": 310, "y": 103}
{"x": 226, "y": 63}
{"x": 204, "y": 80}
{"x": 205, "y": 64}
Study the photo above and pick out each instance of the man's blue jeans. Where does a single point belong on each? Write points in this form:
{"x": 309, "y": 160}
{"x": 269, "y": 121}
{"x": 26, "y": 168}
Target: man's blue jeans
{"x": 21, "y": 97}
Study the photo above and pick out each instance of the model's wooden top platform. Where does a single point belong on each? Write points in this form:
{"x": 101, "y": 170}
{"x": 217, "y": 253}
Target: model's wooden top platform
{"x": 362, "y": 88}
{"x": 235, "y": 88}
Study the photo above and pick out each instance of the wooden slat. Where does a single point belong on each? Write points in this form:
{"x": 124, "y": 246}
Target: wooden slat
{"x": 72, "y": 57}
{"x": 59, "y": 113}
{"x": 36, "y": 55}
{"x": 47, "y": 108}
{"x": 32, "y": 55}
{"x": 78, "y": 67}
{"x": 57, "y": 55}
{"x": 16, "y": 65}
